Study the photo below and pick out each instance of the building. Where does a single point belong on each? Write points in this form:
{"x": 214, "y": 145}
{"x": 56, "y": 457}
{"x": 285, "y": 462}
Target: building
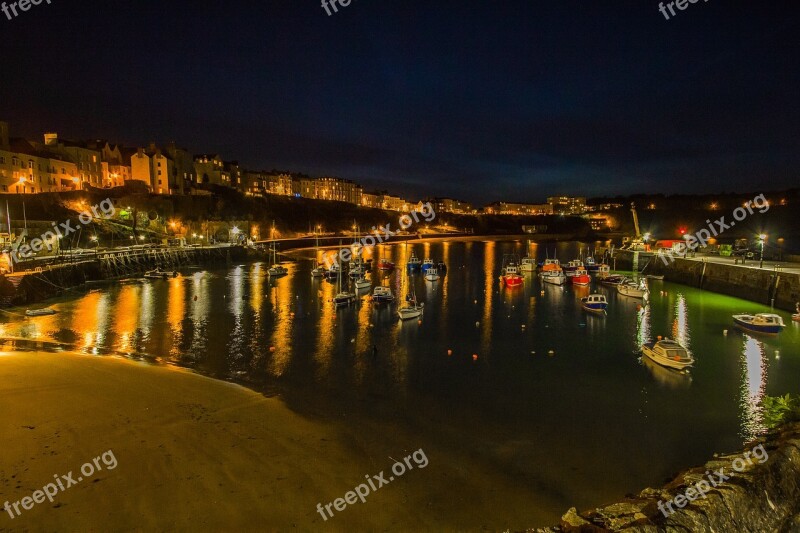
{"x": 26, "y": 168}
{"x": 372, "y": 200}
{"x": 566, "y": 205}
{"x": 395, "y": 203}
{"x": 183, "y": 177}
{"x": 304, "y": 187}
{"x": 235, "y": 173}
{"x": 449, "y": 205}
{"x": 254, "y": 183}
{"x": 281, "y": 184}
{"x": 87, "y": 159}
{"x": 337, "y": 189}
{"x": 507, "y": 208}
{"x": 115, "y": 162}
{"x": 154, "y": 168}
{"x": 210, "y": 170}
{"x": 598, "y": 223}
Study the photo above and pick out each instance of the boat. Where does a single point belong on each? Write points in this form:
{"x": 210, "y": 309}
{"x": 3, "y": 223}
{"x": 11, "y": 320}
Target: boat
{"x": 432, "y": 274}
{"x": 333, "y": 271}
{"x": 343, "y": 297}
{"x": 45, "y": 311}
{"x": 510, "y": 273}
{"x": 318, "y": 271}
{"x": 276, "y": 270}
{"x": 160, "y": 274}
{"x": 528, "y": 264}
{"x": 414, "y": 263}
{"x": 551, "y": 264}
{"x": 412, "y": 309}
{"x": 441, "y": 267}
{"x": 766, "y": 323}
{"x": 357, "y": 270}
{"x": 603, "y": 271}
{"x": 427, "y": 264}
{"x": 595, "y": 303}
{"x": 385, "y": 264}
{"x": 581, "y": 278}
{"x": 382, "y": 294}
{"x": 668, "y": 353}
{"x": 614, "y": 280}
{"x": 363, "y": 283}
{"x": 632, "y": 289}
{"x": 654, "y": 276}
{"x": 590, "y": 264}
{"x": 572, "y": 267}
{"x": 796, "y": 317}
{"x": 554, "y": 277}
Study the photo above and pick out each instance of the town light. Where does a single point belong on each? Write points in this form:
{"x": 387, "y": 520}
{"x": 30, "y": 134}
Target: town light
{"x": 763, "y": 239}
{"x": 141, "y": 237}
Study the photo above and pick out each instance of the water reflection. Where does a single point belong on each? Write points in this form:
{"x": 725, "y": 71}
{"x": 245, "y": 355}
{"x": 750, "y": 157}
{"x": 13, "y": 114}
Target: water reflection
{"x": 754, "y": 386}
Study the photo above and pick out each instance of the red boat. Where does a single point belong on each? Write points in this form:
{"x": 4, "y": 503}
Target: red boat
{"x": 581, "y": 277}
{"x": 385, "y": 264}
{"x": 511, "y": 277}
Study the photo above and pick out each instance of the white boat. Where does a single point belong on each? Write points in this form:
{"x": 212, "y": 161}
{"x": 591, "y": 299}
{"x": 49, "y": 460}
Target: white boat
{"x": 343, "y": 297}
{"x": 357, "y": 271}
{"x": 766, "y": 323}
{"x": 382, "y": 294}
{"x": 554, "y": 277}
{"x": 632, "y": 289}
{"x": 432, "y": 274}
{"x": 668, "y": 353}
{"x": 160, "y": 274}
{"x": 603, "y": 272}
{"x": 276, "y": 270}
{"x": 363, "y": 283}
{"x": 595, "y": 303}
{"x": 318, "y": 271}
{"x": 412, "y": 309}
{"x": 528, "y": 264}
{"x": 45, "y": 311}
{"x": 428, "y": 264}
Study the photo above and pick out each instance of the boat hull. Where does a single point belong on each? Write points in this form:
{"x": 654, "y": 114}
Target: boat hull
{"x": 512, "y": 281}
{"x": 595, "y": 308}
{"x": 796, "y": 317}
{"x": 665, "y": 361}
{"x": 756, "y": 328}
{"x": 410, "y": 313}
{"x": 581, "y": 280}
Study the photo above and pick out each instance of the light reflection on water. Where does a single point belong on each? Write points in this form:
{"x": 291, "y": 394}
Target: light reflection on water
{"x": 284, "y": 336}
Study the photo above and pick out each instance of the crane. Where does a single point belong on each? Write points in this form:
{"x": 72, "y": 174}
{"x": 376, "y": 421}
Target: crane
{"x": 636, "y": 222}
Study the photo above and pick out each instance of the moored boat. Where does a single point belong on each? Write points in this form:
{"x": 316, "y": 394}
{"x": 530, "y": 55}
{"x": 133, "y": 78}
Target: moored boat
{"x": 614, "y": 280}
{"x": 594, "y": 303}
{"x": 603, "y": 271}
{"x": 363, "y": 283}
{"x": 551, "y": 264}
{"x": 160, "y": 274}
{"x": 765, "y": 323}
{"x": 668, "y": 353}
{"x": 581, "y": 278}
{"x": 572, "y": 267}
{"x": 632, "y": 289}
{"x": 511, "y": 276}
{"x": 382, "y": 294}
{"x": 432, "y": 274}
{"x": 385, "y": 264}
{"x": 528, "y": 264}
{"x": 45, "y": 311}
{"x": 427, "y": 264}
{"x": 590, "y": 264}
{"x": 414, "y": 263}
{"x": 553, "y": 277}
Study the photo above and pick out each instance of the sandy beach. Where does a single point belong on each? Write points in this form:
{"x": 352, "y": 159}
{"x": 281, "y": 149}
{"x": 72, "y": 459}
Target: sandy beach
{"x": 197, "y": 453}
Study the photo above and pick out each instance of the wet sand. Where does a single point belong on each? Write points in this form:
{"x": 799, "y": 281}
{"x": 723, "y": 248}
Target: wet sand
{"x": 197, "y": 453}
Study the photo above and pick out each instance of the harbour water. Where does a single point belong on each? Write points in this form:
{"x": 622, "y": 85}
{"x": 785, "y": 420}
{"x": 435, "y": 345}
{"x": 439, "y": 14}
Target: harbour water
{"x": 557, "y": 404}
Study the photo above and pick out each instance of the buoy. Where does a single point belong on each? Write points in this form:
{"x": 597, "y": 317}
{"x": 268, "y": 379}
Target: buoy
{"x": 724, "y": 331}
{"x": 271, "y": 348}
{"x": 551, "y": 352}
{"x": 419, "y": 322}
{"x": 195, "y": 298}
{"x": 352, "y": 340}
{"x": 476, "y": 301}
{"x": 523, "y": 326}
{"x": 474, "y": 357}
{"x": 533, "y": 352}
{"x": 659, "y": 337}
{"x": 477, "y": 324}
{"x": 449, "y": 352}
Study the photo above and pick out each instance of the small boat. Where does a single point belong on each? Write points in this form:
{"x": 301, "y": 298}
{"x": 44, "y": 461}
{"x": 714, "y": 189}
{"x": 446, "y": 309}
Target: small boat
{"x": 318, "y": 272}
{"x": 363, "y": 283}
{"x": 551, "y": 264}
{"x": 632, "y": 289}
{"x": 581, "y": 278}
{"x": 382, "y": 294}
{"x": 594, "y": 303}
{"x": 277, "y": 271}
{"x": 528, "y": 264}
{"x": 766, "y": 323}
{"x": 614, "y": 280}
{"x": 603, "y": 271}
{"x": 554, "y": 277}
{"x": 432, "y": 274}
{"x": 414, "y": 263}
{"x": 590, "y": 264}
{"x": 511, "y": 276}
{"x": 427, "y": 264}
{"x": 344, "y": 298}
{"x": 45, "y": 311}
{"x": 654, "y": 276}
{"x": 357, "y": 271}
{"x": 572, "y": 267}
{"x": 668, "y": 353}
{"x": 410, "y": 311}
{"x": 385, "y": 264}
{"x": 160, "y": 274}
{"x": 333, "y": 271}
{"x": 441, "y": 267}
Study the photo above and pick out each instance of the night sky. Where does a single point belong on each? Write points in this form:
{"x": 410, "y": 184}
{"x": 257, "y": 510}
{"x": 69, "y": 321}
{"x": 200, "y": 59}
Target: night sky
{"x": 480, "y": 100}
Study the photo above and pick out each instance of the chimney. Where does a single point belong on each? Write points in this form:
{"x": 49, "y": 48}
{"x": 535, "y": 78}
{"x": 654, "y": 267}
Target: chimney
{"x": 4, "y": 142}
{"x": 140, "y": 152}
{"x": 152, "y": 147}
{"x": 51, "y": 139}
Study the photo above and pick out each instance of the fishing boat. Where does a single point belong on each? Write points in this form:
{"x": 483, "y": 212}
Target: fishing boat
{"x": 428, "y": 264}
{"x": 554, "y": 277}
{"x": 414, "y": 264}
{"x": 572, "y": 267}
{"x": 632, "y": 289}
{"x": 590, "y": 264}
{"x": 432, "y": 274}
{"x": 343, "y": 297}
{"x": 385, "y": 264}
{"x": 551, "y": 264}
{"x": 766, "y": 323}
{"x": 594, "y": 303}
{"x": 382, "y": 294}
{"x": 614, "y": 280}
{"x": 357, "y": 269}
{"x": 45, "y": 311}
{"x": 160, "y": 274}
{"x": 510, "y": 273}
{"x": 603, "y": 271}
{"x": 276, "y": 270}
{"x": 528, "y": 264}
{"x": 581, "y": 278}
{"x": 412, "y": 309}
{"x": 668, "y": 353}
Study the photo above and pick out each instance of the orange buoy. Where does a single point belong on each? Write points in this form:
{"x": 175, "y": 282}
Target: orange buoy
{"x": 271, "y": 348}
{"x": 474, "y": 357}
{"x": 449, "y": 352}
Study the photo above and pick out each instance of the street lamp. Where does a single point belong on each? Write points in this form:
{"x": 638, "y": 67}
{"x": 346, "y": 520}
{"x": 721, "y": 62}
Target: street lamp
{"x": 763, "y": 239}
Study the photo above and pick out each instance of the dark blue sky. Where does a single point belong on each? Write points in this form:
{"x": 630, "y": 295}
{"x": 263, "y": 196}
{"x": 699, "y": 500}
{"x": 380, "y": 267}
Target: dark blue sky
{"x": 482, "y": 100}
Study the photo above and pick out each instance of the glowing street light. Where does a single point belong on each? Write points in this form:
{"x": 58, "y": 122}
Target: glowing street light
{"x": 763, "y": 239}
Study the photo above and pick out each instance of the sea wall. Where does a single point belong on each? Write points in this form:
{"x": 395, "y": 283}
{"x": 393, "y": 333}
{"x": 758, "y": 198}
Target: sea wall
{"x": 762, "y": 497}
{"x": 766, "y": 286}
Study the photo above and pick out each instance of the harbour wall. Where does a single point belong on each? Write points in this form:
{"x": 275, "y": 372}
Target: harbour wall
{"x": 770, "y": 287}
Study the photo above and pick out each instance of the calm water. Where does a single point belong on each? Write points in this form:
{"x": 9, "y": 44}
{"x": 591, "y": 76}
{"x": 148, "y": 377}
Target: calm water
{"x": 555, "y": 401}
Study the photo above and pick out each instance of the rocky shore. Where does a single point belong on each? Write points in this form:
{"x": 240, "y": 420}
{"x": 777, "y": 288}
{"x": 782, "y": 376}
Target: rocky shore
{"x": 763, "y": 497}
